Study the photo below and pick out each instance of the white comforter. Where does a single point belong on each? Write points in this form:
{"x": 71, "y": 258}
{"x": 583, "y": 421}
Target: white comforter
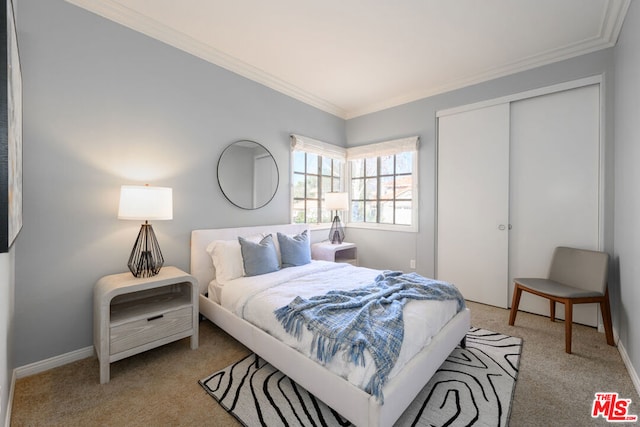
{"x": 255, "y": 299}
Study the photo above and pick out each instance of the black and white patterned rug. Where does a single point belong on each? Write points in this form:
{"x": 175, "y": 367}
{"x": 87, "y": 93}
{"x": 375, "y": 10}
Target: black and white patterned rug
{"x": 473, "y": 387}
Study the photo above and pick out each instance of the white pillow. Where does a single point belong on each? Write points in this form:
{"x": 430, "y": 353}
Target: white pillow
{"x": 227, "y": 258}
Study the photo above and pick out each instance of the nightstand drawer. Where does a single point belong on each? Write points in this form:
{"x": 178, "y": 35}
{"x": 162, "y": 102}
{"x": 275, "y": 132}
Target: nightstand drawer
{"x": 139, "y": 332}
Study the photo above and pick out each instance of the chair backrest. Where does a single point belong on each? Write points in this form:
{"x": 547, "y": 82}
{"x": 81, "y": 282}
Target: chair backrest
{"x": 580, "y": 268}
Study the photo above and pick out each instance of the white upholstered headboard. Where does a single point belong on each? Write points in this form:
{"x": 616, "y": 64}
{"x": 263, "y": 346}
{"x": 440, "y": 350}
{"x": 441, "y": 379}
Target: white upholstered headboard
{"x": 201, "y": 264}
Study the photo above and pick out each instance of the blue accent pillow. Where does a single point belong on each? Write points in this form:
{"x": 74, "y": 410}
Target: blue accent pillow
{"x": 259, "y": 258}
{"x": 294, "y": 250}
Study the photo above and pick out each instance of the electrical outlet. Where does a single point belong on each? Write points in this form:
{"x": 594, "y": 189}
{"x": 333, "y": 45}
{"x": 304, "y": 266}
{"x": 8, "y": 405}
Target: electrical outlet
{"x": 412, "y": 263}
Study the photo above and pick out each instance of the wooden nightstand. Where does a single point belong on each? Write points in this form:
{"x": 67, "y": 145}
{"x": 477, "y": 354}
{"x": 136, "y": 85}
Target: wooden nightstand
{"x": 132, "y": 315}
{"x": 341, "y": 252}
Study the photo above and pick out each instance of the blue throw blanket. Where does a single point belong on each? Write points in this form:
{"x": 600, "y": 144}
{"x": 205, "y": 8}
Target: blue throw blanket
{"x": 365, "y": 318}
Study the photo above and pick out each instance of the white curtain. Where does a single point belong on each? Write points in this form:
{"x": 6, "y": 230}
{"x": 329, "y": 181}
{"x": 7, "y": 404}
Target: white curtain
{"x": 386, "y": 148}
{"x": 310, "y": 145}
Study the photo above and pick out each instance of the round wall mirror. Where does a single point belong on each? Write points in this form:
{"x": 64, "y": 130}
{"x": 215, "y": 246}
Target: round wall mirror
{"x": 247, "y": 174}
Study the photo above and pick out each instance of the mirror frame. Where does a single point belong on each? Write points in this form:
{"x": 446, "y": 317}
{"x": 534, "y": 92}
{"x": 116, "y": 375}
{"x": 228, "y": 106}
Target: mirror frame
{"x": 229, "y": 196}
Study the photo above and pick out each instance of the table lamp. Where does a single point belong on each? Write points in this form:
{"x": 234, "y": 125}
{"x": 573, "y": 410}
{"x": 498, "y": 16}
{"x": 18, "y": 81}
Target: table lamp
{"x": 336, "y": 202}
{"x": 145, "y": 203}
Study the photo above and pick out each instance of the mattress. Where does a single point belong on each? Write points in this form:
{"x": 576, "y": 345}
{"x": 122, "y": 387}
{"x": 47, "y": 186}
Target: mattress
{"x": 254, "y": 299}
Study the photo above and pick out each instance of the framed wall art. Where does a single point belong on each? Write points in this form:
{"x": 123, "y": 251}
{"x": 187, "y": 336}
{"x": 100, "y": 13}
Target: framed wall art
{"x": 10, "y": 129}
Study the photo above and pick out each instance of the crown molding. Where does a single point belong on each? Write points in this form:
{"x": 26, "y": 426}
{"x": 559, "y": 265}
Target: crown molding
{"x": 611, "y": 25}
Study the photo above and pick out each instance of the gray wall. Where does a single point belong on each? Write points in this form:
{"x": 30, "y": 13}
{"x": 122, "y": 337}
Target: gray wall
{"x": 106, "y": 106}
{"x": 627, "y": 178}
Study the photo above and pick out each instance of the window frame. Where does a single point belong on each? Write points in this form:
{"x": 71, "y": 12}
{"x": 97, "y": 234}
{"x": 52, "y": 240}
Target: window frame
{"x": 346, "y": 155}
{"x": 324, "y": 151}
{"x": 378, "y": 151}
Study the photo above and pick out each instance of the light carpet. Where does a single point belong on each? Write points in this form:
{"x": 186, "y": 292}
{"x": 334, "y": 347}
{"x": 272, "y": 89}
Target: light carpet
{"x": 473, "y": 387}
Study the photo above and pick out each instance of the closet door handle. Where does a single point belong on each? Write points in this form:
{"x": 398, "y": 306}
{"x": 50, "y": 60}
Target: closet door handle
{"x": 501, "y": 227}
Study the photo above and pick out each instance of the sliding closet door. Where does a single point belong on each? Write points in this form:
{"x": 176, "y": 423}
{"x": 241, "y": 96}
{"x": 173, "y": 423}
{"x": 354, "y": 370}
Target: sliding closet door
{"x": 554, "y": 176}
{"x": 473, "y": 203}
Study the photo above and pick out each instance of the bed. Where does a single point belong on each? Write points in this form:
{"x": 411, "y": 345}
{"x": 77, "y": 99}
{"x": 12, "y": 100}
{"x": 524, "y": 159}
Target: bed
{"x": 218, "y": 304}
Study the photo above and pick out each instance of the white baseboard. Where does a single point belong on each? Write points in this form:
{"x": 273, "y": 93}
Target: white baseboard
{"x": 630, "y": 369}
{"x": 41, "y": 366}
{"x": 12, "y": 386}
{"x": 53, "y": 362}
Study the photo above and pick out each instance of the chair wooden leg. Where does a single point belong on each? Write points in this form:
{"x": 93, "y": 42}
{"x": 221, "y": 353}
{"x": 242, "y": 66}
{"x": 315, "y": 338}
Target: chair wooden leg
{"x": 517, "y": 292}
{"x": 605, "y": 309}
{"x": 552, "y": 310}
{"x": 568, "y": 322}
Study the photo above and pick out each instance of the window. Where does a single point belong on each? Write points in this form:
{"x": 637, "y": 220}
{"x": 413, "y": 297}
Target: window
{"x": 383, "y": 185}
{"x": 318, "y": 168}
{"x": 381, "y": 189}
{"x": 382, "y": 182}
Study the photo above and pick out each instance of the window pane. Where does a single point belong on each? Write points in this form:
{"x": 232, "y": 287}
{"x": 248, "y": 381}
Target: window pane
{"x": 403, "y": 213}
{"x": 357, "y": 189}
{"x": 312, "y": 187}
{"x": 357, "y": 211}
{"x": 326, "y": 166}
{"x": 326, "y": 185}
{"x": 404, "y": 162}
{"x": 298, "y": 211}
{"x": 371, "y": 166}
{"x": 298, "y": 186}
{"x": 326, "y": 216}
{"x": 298, "y": 161}
{"x": 386, "y": 188}
{"x": 337, "y": 168}
{"x": 386, "y": 212}
{"x": 371, "y": 211}
{"x": 312, "y": 214}
{"x": 336, "y": 184}
{"x": 357, "y": 168}
{"x": 405, "y": 195}
{"x": 403, "y": 186}
{"x": 386, "y": 165}
{"x": 298, "y": 216}
{"x": 312, "y": 163}
{"x": 371, "y": 188}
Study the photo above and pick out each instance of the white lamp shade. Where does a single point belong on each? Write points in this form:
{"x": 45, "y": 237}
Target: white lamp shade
{"x": 336, "y": 201}
{"x": 143, "y": 202}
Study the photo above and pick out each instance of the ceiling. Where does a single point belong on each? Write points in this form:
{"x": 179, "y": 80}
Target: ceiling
{"x": 353, "y": 57}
